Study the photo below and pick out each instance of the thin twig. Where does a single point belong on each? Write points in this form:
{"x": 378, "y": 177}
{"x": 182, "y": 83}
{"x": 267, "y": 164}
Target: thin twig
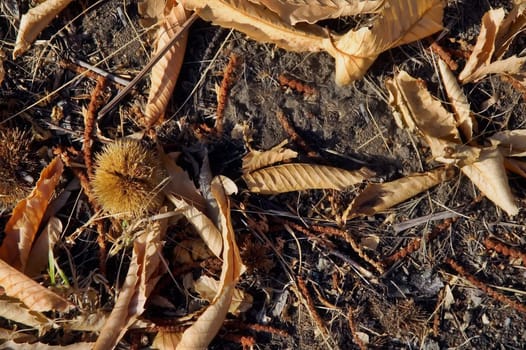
{"x": 92, "y": 72}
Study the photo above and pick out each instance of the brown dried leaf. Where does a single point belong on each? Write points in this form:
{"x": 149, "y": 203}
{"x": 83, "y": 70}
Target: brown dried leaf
{"x": 415, "y": 108}
{"x": 486, "y": 56}
{"x": 23, "y": 225}
{"x": 143, "y": 274}
{"x": 201, "y": 333}
{"x": 12, "y": 309}
{"x": 207, "y": 288}
{"x": 166, "y": 340}
{"x": 151, "y": 11}
{"x": 36, "y": 297}
{"x": 513, "y": 25}
{"x": 516, "y": 166}
{"x": 489, "y": 175}
{"x": 12, "y": 345}
{"x": 166, "y": 71}
{"x": 311, "y": 11}
{"x": 254, "y": 159}
{"x": 459, "y": 101}
{"x": 512, "y": 143}
{"x": 377, "y": 197}
{"x": 39, "y": 256}
{"x": 180, "y": 184}
{"x": 299, "y": 177}
{"x": 2, "y": 71}
{"x": 203, "y": 225}
{"x": 259, "y": 23}
{"x": 34, "y": 21}
{"x": 399, "y": 22}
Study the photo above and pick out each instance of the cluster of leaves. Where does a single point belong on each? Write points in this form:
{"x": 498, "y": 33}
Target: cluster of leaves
{"x": 291, "y": 25}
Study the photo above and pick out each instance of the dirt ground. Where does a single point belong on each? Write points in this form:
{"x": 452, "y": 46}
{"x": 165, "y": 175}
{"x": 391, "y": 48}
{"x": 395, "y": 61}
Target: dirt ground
{"x": 286, "y": 238}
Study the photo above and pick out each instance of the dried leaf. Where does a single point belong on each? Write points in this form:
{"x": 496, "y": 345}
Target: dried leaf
{"x": 484, "y": 59}
{"x": 377, "y": 197}
{"x": 166, "y": 70}
{"x": 151, "y": 11}
{"x": 254, "y": 159}
{"x": 39, "y": 256}
{"x": 399, "y": 23}
{"x": 202, "y": 224}
{"x": 180, "y": 184}
{"x": 143, "y": 274}
{"x": 516, "y": 166}
{"x": 23, "y": 225}
{"x": 259, "y": 23}
{"x": 299, "y": 177}
{"x": 512, "y": 143}
{"x": 12, "y": 345}
{"x": 311, "y": 11}
{"x": 36, "y": 297}
{"x": 201, "y": 333}
{"x": 207, "y": 288}
{"x": 34, "y": 21}
{"x": 415, "y": 108}
{"x": 2, "y": 71}
{"x": 513, "y": 25}
{"x": 166, "y": 340}
{"x": 489, "y": 175}
{"x": 12, "y": 309}
{"x": 88, "y": 322}
{"x": 459, "y": 101}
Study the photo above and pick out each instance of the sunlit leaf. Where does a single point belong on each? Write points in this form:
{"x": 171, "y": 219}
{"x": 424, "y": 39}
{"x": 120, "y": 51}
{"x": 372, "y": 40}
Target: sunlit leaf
{"x": 512, "y": 143}
{"x": 299, "y": 177}
{"x": 23, "y": 225}
{"x": 255, "y": 159}
{"x": 34, "y": 21}
{"x": 39, "y": 256}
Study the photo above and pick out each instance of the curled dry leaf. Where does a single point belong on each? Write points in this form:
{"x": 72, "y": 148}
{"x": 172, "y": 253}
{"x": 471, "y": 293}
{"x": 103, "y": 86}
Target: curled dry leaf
{"x": 377, "y": 197}
{"x": 486, "y": 56}
{"x": 399, "y": 23}
{"x": 207, "y": 288}
{"x": 143, "y": 274}
{"x": 416, "y": 109}
{"x": 33, "y": 295}
{"x": 299, "y": 177}
{"x": 12, "y": 345}
{"x": 34, "y": 21}
{"x": 12, "y": 309}
{"x": 23, "y": 225}
{"x": 255, "y": 159}
{"x": 489, "y": 175}
{"x": 166, "y": 70}
{"x": 312, "y": 11}
{"x": 459, "y": 101}
{"x": 512, "y": 143}
{"x": 201, "y": 333}
{"x": 166, "y": 340}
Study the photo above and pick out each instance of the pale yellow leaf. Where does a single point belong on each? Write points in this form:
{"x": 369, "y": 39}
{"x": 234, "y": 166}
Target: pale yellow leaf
{"x": 511, "y": 65}
{"x": 39, "y": 256}
{"x": 166, "y": 70}
{"x": 311, "y": 11}
{"x": 201, "y": 333}
{"x": 33, "y": 295}
{"x": 399, "y": 22}
{"x": 378, "y": 197}
{"x": 151, "y": 11}
{"x": 23, "y": 225}
{"x": 12, "y": 309}
{"x": 489, "y": 175}
{"x": 202, "y": 224}
{"x": 459, "y": 101}
{"x": 512, "y": 143}
{"x": 254, "y": 159}
{"x": 207, "y": 288}
{"x": 34, "y": 21}
{"x": 299, "y": 177}
{"x": 17, "y": 336}
{"x": 259, "y": 23}
{"x": 143, "y": 274}
{"x": 513, "y": 25}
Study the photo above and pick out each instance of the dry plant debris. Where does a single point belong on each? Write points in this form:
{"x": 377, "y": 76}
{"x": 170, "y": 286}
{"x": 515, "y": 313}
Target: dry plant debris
{"x": 164, "y": 268}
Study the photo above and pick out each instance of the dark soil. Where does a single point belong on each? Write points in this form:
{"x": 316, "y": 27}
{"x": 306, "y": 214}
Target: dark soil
{"x": 349, "y": 127}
